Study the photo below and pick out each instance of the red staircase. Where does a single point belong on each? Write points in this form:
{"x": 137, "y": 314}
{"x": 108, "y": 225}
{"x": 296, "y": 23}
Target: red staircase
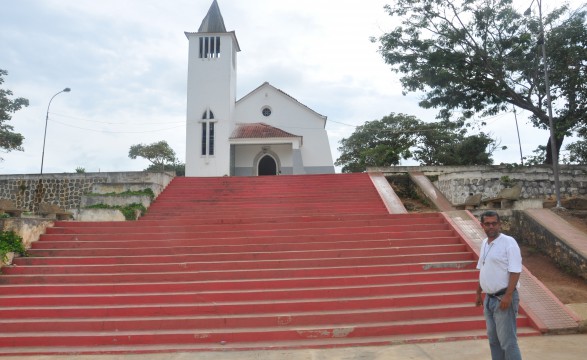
{"x": 244, "y": 263}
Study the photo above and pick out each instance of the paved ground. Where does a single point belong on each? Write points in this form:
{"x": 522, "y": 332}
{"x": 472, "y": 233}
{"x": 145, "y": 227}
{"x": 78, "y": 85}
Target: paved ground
{"x": 559, "y": 347}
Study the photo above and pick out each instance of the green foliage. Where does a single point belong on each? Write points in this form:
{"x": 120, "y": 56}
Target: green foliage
{"x": 9, "y": 140}
{"x": 378, "y": 143}
{"x": 577, "y": 152}
{"x": 477, "y": 57}
{"x": 10, "y": 242}
{"x": 506, "y": 181}
{"x": 178, "y": 167}
{"x": 385, "y": 142}
{"x": 80, "y": 170}
{"x": 129, "y": 211}
{"x": 538, "y": 158}
{"x": 145, "y": 192}
{"x": 159, "y": 154}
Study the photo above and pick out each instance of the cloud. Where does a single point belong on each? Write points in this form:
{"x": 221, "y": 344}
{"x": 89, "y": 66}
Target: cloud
{"x": 126, "y": 63}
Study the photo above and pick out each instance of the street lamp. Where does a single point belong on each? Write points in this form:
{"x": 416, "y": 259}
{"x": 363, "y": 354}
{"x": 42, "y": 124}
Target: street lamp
{"x": 542, "y": 40}
{"x": 46, "y": 122}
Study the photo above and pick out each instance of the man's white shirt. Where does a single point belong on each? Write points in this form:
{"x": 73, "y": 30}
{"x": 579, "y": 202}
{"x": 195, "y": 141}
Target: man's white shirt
{"x": 497, "y": 259}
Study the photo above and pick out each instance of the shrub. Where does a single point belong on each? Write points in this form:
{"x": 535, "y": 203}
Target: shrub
{"x": 10, "y": 242}
{"x": 129, "y": 211}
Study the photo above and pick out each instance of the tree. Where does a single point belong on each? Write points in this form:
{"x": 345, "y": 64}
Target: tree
{"x": 479, "y": 56}
{"x": 397, "y": 136}
{"x": 178, "y": 167}
{"x": 577, "y": 152}
{"x": 435, "y": 139}
{"x": 9, "y": 140}
{"x": 378, "y": 143}
{"x": 159, "y": 154}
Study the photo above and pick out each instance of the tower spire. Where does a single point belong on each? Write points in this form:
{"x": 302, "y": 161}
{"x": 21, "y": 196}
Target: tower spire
{"x": 213, "y": 22}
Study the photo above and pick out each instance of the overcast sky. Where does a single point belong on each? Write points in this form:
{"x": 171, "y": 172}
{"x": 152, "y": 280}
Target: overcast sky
{"x": 126, "y": 64}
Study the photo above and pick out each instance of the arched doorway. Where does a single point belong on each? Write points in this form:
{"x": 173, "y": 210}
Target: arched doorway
{"x": 267, "y": 166}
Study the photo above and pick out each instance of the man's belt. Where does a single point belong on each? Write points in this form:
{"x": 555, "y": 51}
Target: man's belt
{"x": 499, "y": 293}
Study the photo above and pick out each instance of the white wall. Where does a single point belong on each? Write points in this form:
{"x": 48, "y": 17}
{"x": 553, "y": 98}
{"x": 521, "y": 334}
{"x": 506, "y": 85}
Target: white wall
{"x": 289, "y": 115}
{"x": 211, "y": 84}
{"x": 247, "y": 153}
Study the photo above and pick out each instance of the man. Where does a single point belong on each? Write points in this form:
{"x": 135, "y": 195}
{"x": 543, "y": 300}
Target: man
{"x": 500, "y": 265}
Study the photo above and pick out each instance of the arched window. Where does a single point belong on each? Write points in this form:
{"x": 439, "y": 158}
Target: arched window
{"x": 207, "y": 133}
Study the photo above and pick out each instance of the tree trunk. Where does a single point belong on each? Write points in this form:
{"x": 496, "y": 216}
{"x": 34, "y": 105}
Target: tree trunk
{"x": 559, "y": 143}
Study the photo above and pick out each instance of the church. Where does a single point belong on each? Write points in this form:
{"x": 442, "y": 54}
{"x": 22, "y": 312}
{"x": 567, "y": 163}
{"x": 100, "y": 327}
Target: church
{"x": 266, "y": 132}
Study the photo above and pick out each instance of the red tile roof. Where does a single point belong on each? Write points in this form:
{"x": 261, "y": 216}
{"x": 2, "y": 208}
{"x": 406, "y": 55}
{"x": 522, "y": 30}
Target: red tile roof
{"x": 258, "y": 131}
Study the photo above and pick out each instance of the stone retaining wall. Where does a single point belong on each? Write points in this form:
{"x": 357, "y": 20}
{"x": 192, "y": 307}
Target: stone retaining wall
{"x": 527, "y": 231}
{"x": 458, "y": 182}
{"x": 66, "y": 190}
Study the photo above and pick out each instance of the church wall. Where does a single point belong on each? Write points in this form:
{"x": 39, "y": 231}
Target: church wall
{"x": 316, "y": 150}
{"x": 246, "y": 154}
{"x": 289, "y": 115}
{"x": 286, "y": 113}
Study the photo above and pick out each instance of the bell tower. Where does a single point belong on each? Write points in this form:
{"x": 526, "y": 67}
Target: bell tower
{"x": 211, "y": 96}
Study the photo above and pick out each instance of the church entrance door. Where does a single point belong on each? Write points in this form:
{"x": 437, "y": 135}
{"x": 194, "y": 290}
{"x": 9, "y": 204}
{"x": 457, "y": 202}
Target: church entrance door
{"x": 267, "y": 166}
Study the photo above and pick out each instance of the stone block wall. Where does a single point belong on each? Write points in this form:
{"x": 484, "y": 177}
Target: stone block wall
{"x": 536, "y": 182}
{"x": 529, "y": 232}
{"x": 458, "y": 182}
{"x": 66, "y": 190}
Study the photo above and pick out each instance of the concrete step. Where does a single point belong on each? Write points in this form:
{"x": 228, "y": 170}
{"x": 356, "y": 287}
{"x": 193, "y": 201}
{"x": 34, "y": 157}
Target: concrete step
{"x": 391, "y": 232}
{"x": 242, "y": 274}
{"x": 465, "y": 273}
{"x": 308, "y": 318}
{"x": 191, "y": 271}
{"x": 213, "y": 295}
{"x": 215, "y": 336}
{"x": 178, "y": 252}
{"x": 196, "y": 307}
{"x": 252, "y": 219}
{"x": 262, "y": 345}
{"x": 187, "y": 226}
{"x": 195, "y": 260}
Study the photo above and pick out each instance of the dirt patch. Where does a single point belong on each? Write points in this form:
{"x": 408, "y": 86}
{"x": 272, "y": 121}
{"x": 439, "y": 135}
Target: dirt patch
{"x": 566, "y": 287}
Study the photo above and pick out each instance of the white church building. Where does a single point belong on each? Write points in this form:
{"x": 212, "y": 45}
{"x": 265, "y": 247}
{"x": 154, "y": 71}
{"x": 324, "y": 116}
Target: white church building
{"x": 266, "y": 132}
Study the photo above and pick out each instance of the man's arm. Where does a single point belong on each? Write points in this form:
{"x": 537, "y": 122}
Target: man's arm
{"x": 506, "y": 299}
{"x": 479, "y": 301}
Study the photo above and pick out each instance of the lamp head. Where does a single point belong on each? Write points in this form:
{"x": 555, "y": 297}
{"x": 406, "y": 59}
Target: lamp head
{"x": 66, "y": 90}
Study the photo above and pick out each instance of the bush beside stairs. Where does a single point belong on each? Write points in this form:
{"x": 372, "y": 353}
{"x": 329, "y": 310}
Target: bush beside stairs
{"x": 244, "y": 263}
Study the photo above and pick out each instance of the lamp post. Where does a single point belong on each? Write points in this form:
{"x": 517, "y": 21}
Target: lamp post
{"x": 555, "y": 169}
{"x": 46, "y": 122}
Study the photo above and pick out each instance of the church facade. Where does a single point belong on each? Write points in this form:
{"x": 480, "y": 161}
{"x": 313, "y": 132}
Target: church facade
{"x": 266, "y": 132}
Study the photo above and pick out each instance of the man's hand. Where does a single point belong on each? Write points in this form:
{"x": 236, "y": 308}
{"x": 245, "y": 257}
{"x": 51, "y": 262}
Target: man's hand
{"x": 505, "y": 301}
{"x": 479, "y": 300}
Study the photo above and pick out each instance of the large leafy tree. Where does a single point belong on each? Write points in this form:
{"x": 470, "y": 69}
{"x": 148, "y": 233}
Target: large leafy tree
{"x": 477, "y": 57}
{"x": 446, "y": 143}
{"x": 387, "y": 141}
{"x": 378, "y": 143}
{"x": 9, "y": 140}
{"x": 159, "y": 154}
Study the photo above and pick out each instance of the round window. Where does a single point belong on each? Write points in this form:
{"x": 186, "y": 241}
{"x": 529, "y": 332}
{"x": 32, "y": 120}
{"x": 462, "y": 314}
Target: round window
{"x": 266, "y": 111}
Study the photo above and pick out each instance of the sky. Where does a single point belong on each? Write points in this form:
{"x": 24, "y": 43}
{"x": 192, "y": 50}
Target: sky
{"x": 126, "y": 64}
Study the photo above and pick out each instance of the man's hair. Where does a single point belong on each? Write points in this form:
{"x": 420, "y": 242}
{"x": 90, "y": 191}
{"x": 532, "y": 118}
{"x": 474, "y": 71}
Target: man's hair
{"x": 490, "y": 213}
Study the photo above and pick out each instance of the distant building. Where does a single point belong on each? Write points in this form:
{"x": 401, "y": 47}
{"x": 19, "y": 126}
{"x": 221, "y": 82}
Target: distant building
{"x": 267, "y": 132}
